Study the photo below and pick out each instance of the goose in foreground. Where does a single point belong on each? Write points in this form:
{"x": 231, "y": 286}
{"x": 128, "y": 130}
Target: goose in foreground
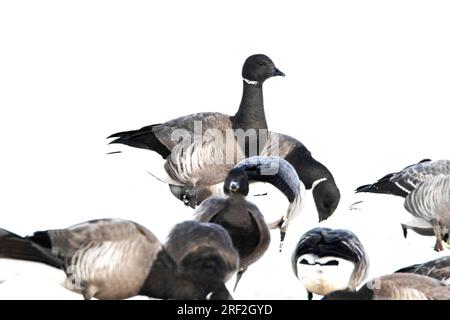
{"x": 201, "y": 148}
{"x": 397, "y": 286}
{"x": 430, "y": 203}
{"x": 241, "y": 218}
{"x": 403, "y": 182}
{"x": 438, "y": 269}
{"x": 326, "y": 260}
{"x": 118, "y": 259}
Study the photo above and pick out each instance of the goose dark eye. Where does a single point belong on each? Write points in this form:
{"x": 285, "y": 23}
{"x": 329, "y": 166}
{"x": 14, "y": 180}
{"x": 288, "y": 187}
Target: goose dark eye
{"x": 304, "y": 261}
{"x": 261, "y": 63}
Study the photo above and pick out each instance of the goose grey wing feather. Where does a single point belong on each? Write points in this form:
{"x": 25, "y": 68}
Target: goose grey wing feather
{"x": 202, "y": 150}
{"x": 65, "y": 242}
{"x": 166, "y": 132}
{"x": 411, "y": 177}
{"x": 438, "y": 268}
{"x": 409, "y": 286}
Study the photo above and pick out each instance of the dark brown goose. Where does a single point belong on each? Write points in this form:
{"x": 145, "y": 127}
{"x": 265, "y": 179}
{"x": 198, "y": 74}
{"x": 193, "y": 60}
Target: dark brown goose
{"x": 438, "y": 269}
{"x": 241, "y": 218}
{"x": 118, "y": 259}
{"x": 397, "y": 286}
{"x": 202, "y": 157}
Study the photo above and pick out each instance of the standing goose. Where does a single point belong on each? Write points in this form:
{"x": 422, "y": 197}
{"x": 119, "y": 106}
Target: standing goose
{"x": 397, "y": 286}
{"x": 117, "y": 259}
{"x": 201, "y": 148}
{"x": 430, "y": 203}
{"x": 326, "y": 260}
{"x": 403, "y": 182}
{"x": 438, "y": 269}
{"x": 241, "y": 218}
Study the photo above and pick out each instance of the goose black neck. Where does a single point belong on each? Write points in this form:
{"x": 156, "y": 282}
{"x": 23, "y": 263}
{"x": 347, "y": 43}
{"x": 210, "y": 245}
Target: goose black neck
{"x": 251, "y": 110}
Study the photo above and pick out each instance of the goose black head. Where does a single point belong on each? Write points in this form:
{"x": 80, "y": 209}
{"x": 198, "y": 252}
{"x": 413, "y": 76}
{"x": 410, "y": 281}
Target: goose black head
{"x": 259, "y": 68}
{"x": 236, "y": 182}
{"x": 326, "y": 197}
{"x": 205, "y": 272}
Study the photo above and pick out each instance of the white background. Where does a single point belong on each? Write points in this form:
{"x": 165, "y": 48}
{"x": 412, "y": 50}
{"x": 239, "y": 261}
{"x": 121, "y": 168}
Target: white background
{"x": 366, "y": 90}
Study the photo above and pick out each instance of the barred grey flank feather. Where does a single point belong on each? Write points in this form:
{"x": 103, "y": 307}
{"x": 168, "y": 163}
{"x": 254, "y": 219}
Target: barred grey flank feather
{"x": 430, "y": 200}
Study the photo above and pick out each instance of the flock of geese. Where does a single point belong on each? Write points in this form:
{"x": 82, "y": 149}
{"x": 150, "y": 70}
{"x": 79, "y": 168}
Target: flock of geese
{"x": 118, "y": 259}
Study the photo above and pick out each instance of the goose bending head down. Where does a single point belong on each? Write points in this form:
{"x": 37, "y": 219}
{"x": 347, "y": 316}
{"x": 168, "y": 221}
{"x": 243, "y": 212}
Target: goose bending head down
{"x": 326, "y": 260}
{"x": 241, "y": 218}
{"x": 279, "y": 173}
{"x": 118, "y": 259}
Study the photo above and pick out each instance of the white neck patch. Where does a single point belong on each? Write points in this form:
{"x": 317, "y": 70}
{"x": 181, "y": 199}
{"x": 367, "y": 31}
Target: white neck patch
{"x": 315, "y": 183}
{"x": 253, "y": 83}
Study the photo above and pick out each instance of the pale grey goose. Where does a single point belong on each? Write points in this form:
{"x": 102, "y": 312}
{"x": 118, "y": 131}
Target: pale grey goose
{"x": 397, "y": 286}
{"x": 201, "y": 148}
{"x": 326, "y": 260}
{"x": 438, "y": 269}
{"x": 430, "y": 203}
{"x": 117, "y": 259}
{"x": 242, "y": 219}
{"x": 402, "y": 183}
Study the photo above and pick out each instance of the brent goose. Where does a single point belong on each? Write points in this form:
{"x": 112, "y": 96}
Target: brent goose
{"x": 397, "y": 286}
{"x": 313, "y": 174}
{"x": 118, "y": 259}
{"x": 279, "y": 173}
{"x": 438, "y": 269}
{"x": 197, "y": 147}
{"x": 241, "y": 218}
{"x": 430, "y": 203}
{"x": 326, "y": 260}
{"x": 403, "y": 182}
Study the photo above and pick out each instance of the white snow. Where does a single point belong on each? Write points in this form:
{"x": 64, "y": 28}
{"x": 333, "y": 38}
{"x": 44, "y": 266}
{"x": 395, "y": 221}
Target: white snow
{"x": 366, "y": 90}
